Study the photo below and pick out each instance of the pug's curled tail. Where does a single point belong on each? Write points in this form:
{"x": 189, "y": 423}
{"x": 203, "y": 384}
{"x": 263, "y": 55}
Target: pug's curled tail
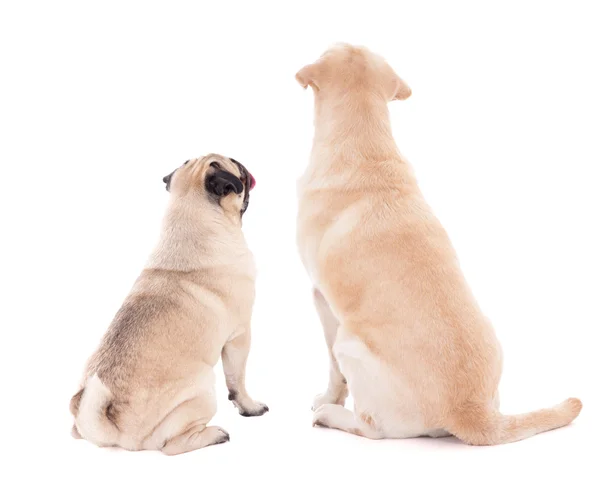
{"x": 91, "y": 407}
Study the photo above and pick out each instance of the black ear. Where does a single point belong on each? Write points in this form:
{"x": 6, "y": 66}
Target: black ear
{"x": 221, "y": 183}
{"x": 167, "y": 180}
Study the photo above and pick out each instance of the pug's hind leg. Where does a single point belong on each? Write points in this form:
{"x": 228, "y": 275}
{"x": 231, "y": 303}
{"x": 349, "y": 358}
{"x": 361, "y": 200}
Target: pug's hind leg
{"x": 337, "y": 389}
{"x": 234, "y": 357}
{"x": 196, "y": 437}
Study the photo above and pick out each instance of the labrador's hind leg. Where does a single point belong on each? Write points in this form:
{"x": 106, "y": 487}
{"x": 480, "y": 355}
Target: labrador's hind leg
{"x": 338, "y": 417}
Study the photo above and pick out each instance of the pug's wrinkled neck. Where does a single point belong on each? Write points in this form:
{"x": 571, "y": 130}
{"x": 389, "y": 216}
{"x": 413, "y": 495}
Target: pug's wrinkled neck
{"x": 197, "y": 235}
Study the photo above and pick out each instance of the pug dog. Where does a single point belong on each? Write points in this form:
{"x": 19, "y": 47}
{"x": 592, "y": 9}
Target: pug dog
{"x": 405, "y": 335}
{"x": 150, "y": 384}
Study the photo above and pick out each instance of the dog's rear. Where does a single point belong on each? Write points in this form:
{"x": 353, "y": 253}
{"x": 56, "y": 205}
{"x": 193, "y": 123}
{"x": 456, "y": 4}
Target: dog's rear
{"x": 380, "y": 259}
{"x": 183, "y": 307}
{"x": 91, "y": 406}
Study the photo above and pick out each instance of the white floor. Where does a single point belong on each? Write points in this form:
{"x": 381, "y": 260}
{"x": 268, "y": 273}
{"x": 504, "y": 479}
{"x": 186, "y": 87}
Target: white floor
{"x": 281, "y": 455}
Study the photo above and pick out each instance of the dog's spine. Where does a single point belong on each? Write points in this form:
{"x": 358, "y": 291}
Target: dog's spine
{"x": 482, "y": 425}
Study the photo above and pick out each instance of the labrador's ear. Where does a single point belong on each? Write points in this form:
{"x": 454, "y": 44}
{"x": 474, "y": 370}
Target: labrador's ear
{"x": 401, "y": 90}
{"x": 221, "y": 183}
{"x": 308, "y": 75}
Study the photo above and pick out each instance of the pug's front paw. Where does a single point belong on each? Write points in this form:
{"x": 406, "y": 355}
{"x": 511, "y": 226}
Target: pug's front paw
{"x": 247, "y": 406}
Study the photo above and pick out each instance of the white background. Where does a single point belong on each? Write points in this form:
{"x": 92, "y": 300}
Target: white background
{"x": 99, "y": 100}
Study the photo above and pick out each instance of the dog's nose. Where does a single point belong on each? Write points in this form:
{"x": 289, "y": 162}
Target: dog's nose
{"x": 166, "y": 179}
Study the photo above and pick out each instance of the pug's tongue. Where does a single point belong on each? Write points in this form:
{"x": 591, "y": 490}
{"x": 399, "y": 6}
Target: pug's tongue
{"x": 252, "y": 181}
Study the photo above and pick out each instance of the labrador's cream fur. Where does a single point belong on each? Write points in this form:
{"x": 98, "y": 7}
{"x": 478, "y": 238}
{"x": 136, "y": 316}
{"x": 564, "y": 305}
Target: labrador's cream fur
{"x": 405, "y": 334}
{"x": 150, "y": 384}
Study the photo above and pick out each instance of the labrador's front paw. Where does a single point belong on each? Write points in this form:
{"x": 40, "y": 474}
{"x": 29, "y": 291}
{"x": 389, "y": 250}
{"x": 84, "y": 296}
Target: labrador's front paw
{"x": 329, "y": 398}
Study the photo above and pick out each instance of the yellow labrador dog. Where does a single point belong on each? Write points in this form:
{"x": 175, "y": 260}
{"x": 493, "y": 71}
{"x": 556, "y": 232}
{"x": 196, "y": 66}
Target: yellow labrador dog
{"x": 404, "y": 332}
{"x": 150, "y": 384}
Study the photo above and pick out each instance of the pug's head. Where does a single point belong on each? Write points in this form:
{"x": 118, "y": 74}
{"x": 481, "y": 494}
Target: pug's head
{"x": 222, "y": 181}
{"x": 346, "y": 68}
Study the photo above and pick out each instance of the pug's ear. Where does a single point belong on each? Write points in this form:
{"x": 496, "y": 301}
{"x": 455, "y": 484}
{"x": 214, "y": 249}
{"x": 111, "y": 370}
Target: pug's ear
{"x": 221, "y": 183}
{"x": 401, "y": 90}
{"x": 308, "y": 75}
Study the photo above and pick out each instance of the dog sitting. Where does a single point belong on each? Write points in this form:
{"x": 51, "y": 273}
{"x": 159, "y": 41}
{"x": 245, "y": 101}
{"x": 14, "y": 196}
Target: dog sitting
{"x": 150, "y": 384}
{"x": 405, "y": 335}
